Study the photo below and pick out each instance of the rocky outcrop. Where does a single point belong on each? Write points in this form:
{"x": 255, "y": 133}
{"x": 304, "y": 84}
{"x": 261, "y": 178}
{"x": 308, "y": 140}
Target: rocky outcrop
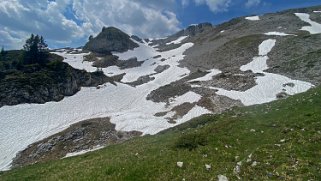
{"x": 109, "y": 40}
{"x": 136, "y": 38}
{"x": 190, "y": 31}
{"x": 50, "y": 82}
{"x": 193, "y": 30}
{"x": 80, "y": 136}
{"x": 142, "y": 80}
{"x": 103, "y": 61}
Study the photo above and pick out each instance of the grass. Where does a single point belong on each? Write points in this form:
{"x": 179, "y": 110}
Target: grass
{"x": 282, "y": 138}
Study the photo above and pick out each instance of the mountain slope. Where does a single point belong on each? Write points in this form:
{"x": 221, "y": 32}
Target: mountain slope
{"x": 275, "y": 141}
{"x": 203, "y": 69}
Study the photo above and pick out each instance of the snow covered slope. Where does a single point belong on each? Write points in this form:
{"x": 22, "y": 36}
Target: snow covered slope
{"x": 268, "y": 85}
{"x": 127, "y": 106}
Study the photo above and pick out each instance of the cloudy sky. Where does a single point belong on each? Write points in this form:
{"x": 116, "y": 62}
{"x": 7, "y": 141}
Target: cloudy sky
{"x": 70, "y": 22}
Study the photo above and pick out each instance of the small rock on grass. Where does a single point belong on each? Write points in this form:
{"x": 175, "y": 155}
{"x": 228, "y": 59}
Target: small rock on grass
{"x": 180, "y": 164}
{"x": 254, "y": 163}
{"x": 208, "y": 167}
{"x": 222, "y": 178}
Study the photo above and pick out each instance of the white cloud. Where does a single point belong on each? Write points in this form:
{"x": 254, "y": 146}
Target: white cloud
{"x": 252, "y": 3}
{"x": 65, "y": 22}
{"x": 215, "y": 5}
{"x": 144, "y": 18}
{"x": 39, "y": 17}
{"x": 185, "y": 3}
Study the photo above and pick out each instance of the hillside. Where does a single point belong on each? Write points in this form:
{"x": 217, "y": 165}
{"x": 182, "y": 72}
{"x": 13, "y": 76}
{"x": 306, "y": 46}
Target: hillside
{"x": 227, "y": 70}
{"x": 37, "y": 83}
{"x": 275, "y": 141}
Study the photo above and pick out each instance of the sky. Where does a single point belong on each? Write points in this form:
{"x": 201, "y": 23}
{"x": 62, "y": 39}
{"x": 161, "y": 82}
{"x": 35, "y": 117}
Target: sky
{"x": 69, "y": 23}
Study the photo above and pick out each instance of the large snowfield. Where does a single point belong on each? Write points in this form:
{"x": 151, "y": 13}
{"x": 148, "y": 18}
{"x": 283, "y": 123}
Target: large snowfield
{"x": 127, "y": 106}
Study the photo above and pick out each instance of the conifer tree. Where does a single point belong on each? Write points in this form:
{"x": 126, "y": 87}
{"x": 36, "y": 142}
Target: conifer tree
{"x": 36, "y": 50}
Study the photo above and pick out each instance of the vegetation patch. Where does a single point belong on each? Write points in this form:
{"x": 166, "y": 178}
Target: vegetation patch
{"x": 275, "y": 141}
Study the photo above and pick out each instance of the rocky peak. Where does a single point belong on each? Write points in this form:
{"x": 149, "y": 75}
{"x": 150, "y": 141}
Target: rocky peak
{"x": 110, "y": 39}
{"x": 193, "y": 30}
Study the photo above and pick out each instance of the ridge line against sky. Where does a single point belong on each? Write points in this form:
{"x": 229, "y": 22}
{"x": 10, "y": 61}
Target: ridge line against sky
{"x": 70, "y": 22}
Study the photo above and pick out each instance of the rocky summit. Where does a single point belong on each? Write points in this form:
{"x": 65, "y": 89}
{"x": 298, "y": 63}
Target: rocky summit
{"x": 109, "y": 40}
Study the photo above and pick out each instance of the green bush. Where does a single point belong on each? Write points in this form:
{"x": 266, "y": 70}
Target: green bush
{"x": 191, "y": 141}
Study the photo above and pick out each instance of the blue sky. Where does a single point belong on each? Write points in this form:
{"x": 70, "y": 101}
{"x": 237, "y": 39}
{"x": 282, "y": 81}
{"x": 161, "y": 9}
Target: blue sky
{"x": 70, "y": 22}
{"x": 194, "y": 14}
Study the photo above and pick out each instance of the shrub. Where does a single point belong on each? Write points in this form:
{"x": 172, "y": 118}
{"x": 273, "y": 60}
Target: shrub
{"x": 191, "y": 141}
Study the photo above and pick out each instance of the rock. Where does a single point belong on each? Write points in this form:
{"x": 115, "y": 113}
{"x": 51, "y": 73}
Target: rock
{"x": 142, "y": 80}
{"x": 222, "y": 178}
{"x": 134, "y": 37}
{"x": 44, "y": 147}
{"x": 161, "y": 68}
{"x": 130, "y": 63}
{"x": 180, "y": 164}
{"x": 289, "y": 84}
{"x": 254, "y": 164}
{"x": 282, "y": 95}
{"x": 105, "y": 61}
{"x": 237, "y": 168}
{"x": 109, "y": 40}
{"x": 208, "y": 167}
{"x": 204, "y": 155}
{"x": 157, "y": 56}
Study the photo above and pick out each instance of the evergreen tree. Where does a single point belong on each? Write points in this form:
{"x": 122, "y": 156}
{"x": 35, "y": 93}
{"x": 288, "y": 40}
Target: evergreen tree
{"x": 2, "y": 54}
{"x": 36, "y": 50}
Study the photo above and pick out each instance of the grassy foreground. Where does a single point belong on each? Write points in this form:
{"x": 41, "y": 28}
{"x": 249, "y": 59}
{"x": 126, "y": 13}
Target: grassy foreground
{"x": 276, "y": 141}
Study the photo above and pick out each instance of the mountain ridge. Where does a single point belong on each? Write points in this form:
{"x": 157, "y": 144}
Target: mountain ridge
{"x": 202, "y": 71}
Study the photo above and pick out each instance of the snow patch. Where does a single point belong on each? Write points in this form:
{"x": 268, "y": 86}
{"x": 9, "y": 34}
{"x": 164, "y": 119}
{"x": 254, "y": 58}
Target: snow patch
{"x": 195, "y": 112}
{"x": 208, "y": 76}
{"x": 253, "y": 18}
{"x": 77, "y": 61}
{"x": 83, "y": 152}
{"x": 178, "y": 41}
{"x": 268, "y": 85}
{"x": 315, "y": 27}
{"x": 190, "y": 97}
{"x": 317, "y": 11}
{"x": 142, "y": 52}
{"x": 266, "y": 46}
{"x": 274, "y": 33}
{"x": 258, "y": 65}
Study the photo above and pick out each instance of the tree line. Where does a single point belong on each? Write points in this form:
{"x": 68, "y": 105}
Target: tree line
{"x": 35, "y": 51}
